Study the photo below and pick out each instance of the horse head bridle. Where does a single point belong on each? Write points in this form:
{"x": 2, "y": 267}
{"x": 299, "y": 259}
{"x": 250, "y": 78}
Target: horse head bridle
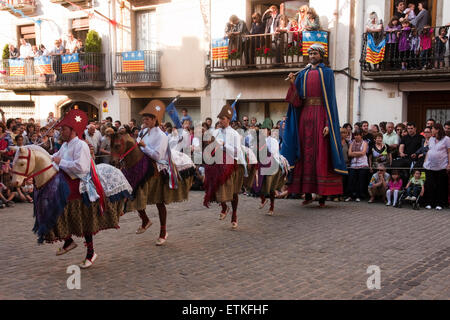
{"x": 26, "y": 174}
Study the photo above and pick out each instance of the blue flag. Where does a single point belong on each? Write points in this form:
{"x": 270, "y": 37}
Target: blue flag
{"x": 172, "y": 111}
{"x": 233, "y": 106}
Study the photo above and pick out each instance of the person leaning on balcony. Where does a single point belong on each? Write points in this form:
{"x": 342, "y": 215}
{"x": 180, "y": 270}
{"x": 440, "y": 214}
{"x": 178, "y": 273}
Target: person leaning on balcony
{"x": 13, "y": 52}
{"x": 422, "y": 19}
{"x": 400, "y": 10}
{"x": 391, "y": 41}
{"x": 258, "y": 26}
{"x": 80, "y": 47}
{"x": 234, "y": 29}
{"x": 58, "y": 49}
{"x": 25, "y": 49}
{"x": 312, "y": 20}
{"x": 301, "y": 17}
{"x": 43, "y": 50}
{"x": 71, "y": 44}
{"x": 440, "y": 48}
{"x": 273, "y": 20}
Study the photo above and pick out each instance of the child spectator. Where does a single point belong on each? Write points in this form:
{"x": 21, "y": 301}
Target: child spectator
{"x": 6, "y": 194}
{"x": 409, "y": 12}
{"x": 345, "y": 145}
{"x": 440, "y": 46}
{"x": 394, "y": 188}
{"x": 425, "y": 46}
{"x": 378, "y": 184}
{"x": 391, "y": 44}
{"x": 19, "y": 141}
{"x": 26, "y": 191}
{"x": 415, "y": 49}
{"x": 358, "y": 167}
{"x": 415, "y": 186}
{"x": 404, "y": 45}
{"x": 295, "y": 34}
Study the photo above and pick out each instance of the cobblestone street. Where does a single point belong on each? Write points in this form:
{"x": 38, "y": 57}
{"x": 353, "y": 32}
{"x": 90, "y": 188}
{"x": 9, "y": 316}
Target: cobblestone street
{"x": 300, "y": 253}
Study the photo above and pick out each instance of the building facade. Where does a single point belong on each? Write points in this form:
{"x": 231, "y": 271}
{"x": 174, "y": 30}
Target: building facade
{"x": 176, "y": 38}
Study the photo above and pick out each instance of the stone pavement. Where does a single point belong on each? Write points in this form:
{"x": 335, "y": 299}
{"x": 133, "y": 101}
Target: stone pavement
{"x": 300, "y": 253}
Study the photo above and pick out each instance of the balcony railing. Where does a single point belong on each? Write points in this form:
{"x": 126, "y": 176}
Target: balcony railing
{"x": 144, "y": 73}
{"x": 262, "y": 52}
{"x": 408, "y": 54}
{"x": 26, "y": 6}
{"x": 32, "y": 76}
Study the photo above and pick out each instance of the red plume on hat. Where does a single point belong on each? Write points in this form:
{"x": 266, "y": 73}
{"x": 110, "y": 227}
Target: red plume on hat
{"x": 75, "y": 119}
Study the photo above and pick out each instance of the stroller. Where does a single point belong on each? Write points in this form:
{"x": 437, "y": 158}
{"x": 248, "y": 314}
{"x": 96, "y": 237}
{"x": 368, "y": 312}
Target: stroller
{"x": 402, "y": 200}
{"x": 415, "y": 203}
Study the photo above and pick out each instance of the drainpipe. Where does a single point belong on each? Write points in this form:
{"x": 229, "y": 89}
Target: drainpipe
{"x": 336, "y": 22}
{"x": 358, "y": 110}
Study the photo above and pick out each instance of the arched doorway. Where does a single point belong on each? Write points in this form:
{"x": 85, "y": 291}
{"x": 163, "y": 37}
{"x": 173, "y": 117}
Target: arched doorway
{"x": 90, "y": 109}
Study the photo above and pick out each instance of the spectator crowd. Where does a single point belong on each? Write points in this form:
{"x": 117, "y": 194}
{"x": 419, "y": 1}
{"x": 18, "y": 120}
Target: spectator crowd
{"x": 411, "y": 41}
{"x": 386, "y": 161}
{"x": 27, "y": 51}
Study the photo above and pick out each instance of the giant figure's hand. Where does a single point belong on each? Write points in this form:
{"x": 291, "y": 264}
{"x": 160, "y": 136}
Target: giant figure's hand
{"x": 325, "y": 131}
{"x": 291, "y": 77}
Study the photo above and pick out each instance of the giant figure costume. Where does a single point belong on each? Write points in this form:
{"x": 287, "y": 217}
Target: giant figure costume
{"x": 319, "y": 161}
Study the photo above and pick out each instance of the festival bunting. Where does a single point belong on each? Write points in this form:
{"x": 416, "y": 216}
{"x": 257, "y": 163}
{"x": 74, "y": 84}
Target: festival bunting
{"x": 311, "y": 37}
{"x": 42, "y": 65}
{"x": 375, "y": 53}
{"x": 220, "y": 49}
{"x": 16, "y": 67}
{"x": 70, "y": 63}
{"x": 133, "y": 61}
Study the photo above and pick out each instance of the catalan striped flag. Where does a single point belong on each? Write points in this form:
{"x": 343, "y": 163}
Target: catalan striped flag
{"x": 375, "y": 53}
{"x": 220, "y": 49}
{"x": 70, "y": 63}
{"x": 16, "y": 67}
{"x": 42, "y": 65}
{"x": 133, "y": 61}
{"x": 311, "y": 37}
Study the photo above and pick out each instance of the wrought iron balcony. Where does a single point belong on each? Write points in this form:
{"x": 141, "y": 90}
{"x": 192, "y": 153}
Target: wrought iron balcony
{"x": 26, "y": 6}
{"x": 82, "y": 3}
{"x": 31, "y": 74}
{"x": 137, "y": 69}
{"x": 259, "y": 54}
{"x": 408, "y": 55}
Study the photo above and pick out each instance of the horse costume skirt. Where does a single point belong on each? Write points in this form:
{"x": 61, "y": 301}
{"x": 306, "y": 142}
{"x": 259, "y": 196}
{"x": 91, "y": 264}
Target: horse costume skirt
{"x": 60, "y": 210}
{"x": 252, "y": 172}
{"x": 232, "y": 185}
{"x": 80, "y": 220}
{"x": 156, "y": 190}
{"x": 273, "y": 182}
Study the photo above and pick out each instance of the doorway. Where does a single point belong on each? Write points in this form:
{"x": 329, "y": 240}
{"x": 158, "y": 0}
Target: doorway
{"x": 91, "y": 110}
{"x": 424, "y": 105}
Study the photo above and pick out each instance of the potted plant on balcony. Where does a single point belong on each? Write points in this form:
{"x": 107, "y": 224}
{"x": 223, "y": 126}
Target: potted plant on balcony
{"x": 92, "y": 62}
{"x": 5, "y": 57}
{"x": 234, "y": 59}
{"x": 293, "y": 53}
{"x": 265, "y": 58}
